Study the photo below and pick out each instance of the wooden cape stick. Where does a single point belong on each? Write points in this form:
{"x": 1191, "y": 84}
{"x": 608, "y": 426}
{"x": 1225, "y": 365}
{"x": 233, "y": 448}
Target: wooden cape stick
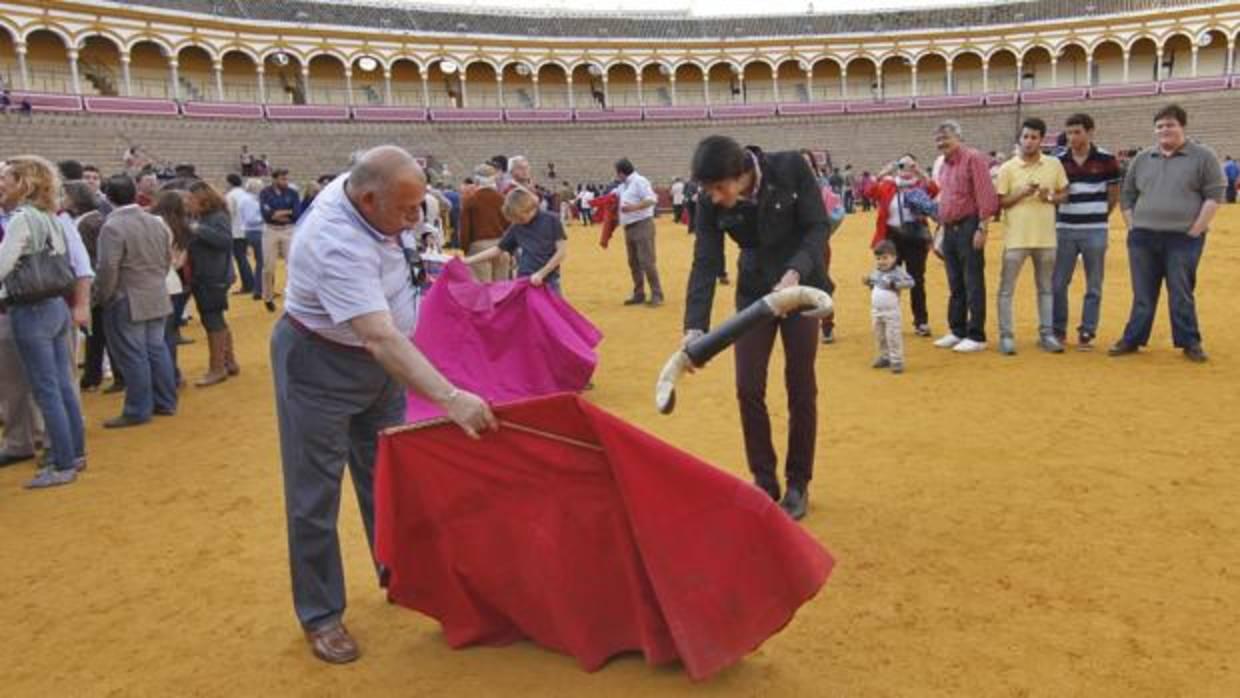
{"x": 505, "y": 424}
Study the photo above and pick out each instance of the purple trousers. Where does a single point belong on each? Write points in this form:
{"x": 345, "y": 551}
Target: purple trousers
{"x": 799, "y": 336}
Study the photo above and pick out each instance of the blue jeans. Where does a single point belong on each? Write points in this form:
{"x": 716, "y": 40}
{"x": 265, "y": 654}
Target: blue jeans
{"x": 41, "y": 332}
{"x": 141, "y": 349}
{"x": 1152, "y": 257}
{"x": 966, "y": 279}
{"x": 1091, "y": 247}
{"x": 242, "y": 258}
{"x": 254, "y": 238}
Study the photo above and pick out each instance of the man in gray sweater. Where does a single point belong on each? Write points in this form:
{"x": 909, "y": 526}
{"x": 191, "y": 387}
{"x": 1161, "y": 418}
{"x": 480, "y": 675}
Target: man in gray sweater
{"x": 1169, "y": 197}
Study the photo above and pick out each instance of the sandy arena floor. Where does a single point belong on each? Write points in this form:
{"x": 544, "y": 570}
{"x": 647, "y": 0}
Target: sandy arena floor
{"x": 1030, "y": 526}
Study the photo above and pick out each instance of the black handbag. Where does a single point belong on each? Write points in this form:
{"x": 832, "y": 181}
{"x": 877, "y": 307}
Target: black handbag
{"x": 40, "y": 275}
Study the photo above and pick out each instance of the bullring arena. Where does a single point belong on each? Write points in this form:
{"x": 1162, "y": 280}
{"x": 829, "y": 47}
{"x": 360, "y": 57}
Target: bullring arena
{"x": 1036, "y": 525}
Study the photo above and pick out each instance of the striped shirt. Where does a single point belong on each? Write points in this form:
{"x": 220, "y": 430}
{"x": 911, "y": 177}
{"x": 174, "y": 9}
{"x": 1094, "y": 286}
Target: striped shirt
{"x": 1088, "y": 182}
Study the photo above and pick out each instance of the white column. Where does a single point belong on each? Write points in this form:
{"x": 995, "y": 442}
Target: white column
{"x": 460, "y": 81}
{"x": 348, "y": 87}
{"x": 878, "y": 82}
{"x": 499, "y": 87}
{"x": 951, "y": 83}
{"x": 176, "y": 78}
{"x": 985, "y": 77}
{"x": 217, "y": 67}
{"x": 1158, "y": 67}
{"x": 571, "y": 101}
{"x": 73, "y": 71}
{"x": 1231, "y": 56}
{"x": 1054, "y": 72}
{"x": 844, "y": 82}
{"x": 426, "y": 88}
{"x": 809, "y": 84}
{"x": 262, "y": 83}
{"x": 913, "y": 74}
{"x": 706, "y": 87}
{"x": 305, "y": 82}
{"x": 641, "y": 102}
{"x": 1127, "y": 56}
{"x": 1020, "y": 74}
{"x": 22, "y": 71}
{"x": 607, "y": 91}
{"x": 127, "y": 84}
{"x": 387, "y": 87}
{"x": 537, "y": 92}
{"x": 1194, "y": 73}
{"x": 1089, "y": 69}
{"x": 671, "y": 82}
{"x": 775, "y": 84}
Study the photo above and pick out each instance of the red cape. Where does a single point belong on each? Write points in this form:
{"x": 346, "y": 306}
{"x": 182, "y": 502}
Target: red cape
{"x": 602, "y": 541}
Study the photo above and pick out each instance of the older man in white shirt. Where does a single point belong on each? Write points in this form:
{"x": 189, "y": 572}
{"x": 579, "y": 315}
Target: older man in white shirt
{"x": 342, "y": 360}
{"x": 637, "y": 202}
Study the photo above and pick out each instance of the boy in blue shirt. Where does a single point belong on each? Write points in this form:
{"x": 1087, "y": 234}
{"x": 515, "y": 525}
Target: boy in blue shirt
{"x": 536, "y": 238}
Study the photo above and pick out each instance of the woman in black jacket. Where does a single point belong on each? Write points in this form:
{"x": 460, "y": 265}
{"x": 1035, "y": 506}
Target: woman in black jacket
{"x": 210, "y": 257}
{"x": 770, "y": 205}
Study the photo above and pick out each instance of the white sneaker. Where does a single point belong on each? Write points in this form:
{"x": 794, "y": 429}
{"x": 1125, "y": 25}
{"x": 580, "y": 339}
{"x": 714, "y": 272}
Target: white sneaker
{"x": 969, "y": 346}
{"x": 947, "y": 341}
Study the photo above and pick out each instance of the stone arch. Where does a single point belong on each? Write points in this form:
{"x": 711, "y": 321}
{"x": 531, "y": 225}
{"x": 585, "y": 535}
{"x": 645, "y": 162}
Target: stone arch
{"x": 759, "y": 84}
{"x": 1035, "y": 67}
{"x": 282, "y": 79}
{"x": 589, "y": 90}
{"x": 1212, "y": 58}
{"x": 967, "y": 72}
{"x": 518, "y": 87}
{"x": 827, "y": 74}
{"x": 368, "y": 84}
{"x": 690, "y": 82}
{"x": 239, "y": 76}
{"x": 149, "y": 68}
{"x": 195, "y": 73}
{"x": 1108, "y": 55}
{"x": 791, "y": 81}
{"x": 896, "y": 69}
{"x": 100, "y": 65}
{"x": 481, "y": 84}
{"x": 656, "y": 83}
{"x": 622, "y": 84}
{"x": 1072, "y": 65}
{"x": 552, "y": 84}
{"x": 725, "y": 83}
{"x": 1143, "y": 59}
{"x": 932, "y": 73}
{"x": 47, "y": 60}
{"x": 1177, "y": 55}
{"x": 863, "y": 77}
{"x": 406, "y": 82}
{"x": 1003, "y": 70}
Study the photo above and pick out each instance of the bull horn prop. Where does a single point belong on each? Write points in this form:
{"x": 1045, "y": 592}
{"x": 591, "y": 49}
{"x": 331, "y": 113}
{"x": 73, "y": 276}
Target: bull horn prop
{"x": 809, "y": 301}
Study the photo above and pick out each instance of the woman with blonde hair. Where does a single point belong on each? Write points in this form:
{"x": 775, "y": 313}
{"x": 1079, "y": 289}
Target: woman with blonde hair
{"x": 40, "y": 318}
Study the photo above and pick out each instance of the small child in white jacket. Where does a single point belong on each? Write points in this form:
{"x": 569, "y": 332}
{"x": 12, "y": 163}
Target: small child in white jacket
{"x": 885, "y": 283}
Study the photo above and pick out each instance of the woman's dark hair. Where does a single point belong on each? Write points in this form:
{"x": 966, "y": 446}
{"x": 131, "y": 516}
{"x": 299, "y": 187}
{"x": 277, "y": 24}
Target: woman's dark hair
{"x": 208, "y": 197}
{"x": 170, "y": 206}
{"x": 70, "y": 170}
{"x": 80, "y": 199}
{"x": 1172, "y": 111}
{"x": 234, "y": 179}
{"x": 625, "y": 167}
{"x": 718, "y": 158}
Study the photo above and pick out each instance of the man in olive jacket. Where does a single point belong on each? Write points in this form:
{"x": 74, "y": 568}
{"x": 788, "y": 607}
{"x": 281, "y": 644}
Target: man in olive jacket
{"x": 770, "y": 205}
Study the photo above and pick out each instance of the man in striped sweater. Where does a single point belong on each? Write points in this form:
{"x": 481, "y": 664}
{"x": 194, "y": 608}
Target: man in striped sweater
{"x": 1093, "y": 191}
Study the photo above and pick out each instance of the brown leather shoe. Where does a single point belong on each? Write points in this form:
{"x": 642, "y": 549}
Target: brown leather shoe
{"x": 333, "y": 644}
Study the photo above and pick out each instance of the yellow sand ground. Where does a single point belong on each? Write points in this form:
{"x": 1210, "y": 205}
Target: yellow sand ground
{"x": 1030, "y": 526}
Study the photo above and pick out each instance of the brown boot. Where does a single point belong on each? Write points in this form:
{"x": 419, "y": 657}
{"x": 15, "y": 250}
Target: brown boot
{"x": 230, "y": 358}
{"x": 216, "y": 373}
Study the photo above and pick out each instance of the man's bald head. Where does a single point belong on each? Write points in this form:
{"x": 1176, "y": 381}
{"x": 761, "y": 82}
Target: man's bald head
{"x": 388, "y": 186}
{"x": 379, "y": 167}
